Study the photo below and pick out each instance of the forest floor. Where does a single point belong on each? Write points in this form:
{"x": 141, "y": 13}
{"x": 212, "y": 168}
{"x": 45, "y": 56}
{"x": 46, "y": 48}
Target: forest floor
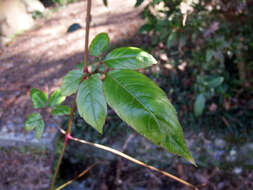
{"x": 40, "y": 58}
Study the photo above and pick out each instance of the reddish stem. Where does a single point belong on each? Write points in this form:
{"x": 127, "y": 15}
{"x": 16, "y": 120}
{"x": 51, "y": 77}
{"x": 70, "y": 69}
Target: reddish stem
{"x": 67, "y": 138}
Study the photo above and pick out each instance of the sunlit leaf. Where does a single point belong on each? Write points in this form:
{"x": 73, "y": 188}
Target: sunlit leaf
{"x": 99, "y": 44}
{"x": 199, "y": 105}
{"x": 61, "y": 110}
{"x": 71, "y": 82}
{"x": 39, "y": 98}
{"x": 144, "y": 106}
{"x": 91, "y": 102}
{"x": 34, "y": 121}
{"x": 129, "y": 58}
{"x": 56, "y": 98}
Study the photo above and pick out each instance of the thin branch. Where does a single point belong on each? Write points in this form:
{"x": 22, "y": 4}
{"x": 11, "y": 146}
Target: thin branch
{"x": 87, "y": 31}
{"x": 80, "y": 175}
{"x": 132, "y": 160}
{"x": 85, "y": 70}
{"x": 67, "y": 135}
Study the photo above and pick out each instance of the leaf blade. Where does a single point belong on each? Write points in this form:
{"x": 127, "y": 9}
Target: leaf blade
{"x": 144, "y": 106}
{"x": 71, "y": 82}
{"x": 129, "y": 58}
{"x": 99, "y": 44}
{"x": 39, "y": 98}
{"x": 56, "y": 98}
{"x": 35, "y": 121}
{"x": 61, "y": 110}
{"x": 91, "y": 102}
{"x": 171, "y": 39}
{"x": 199, "y": 105}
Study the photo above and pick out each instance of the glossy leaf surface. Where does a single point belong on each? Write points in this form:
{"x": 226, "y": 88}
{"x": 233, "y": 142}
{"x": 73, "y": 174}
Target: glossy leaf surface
{"x": 61, "y": 110}
{"x": 129, "y": 58}
{"x": 145, "y": 107}
{"x": 91, "y": 102}
{"x": 71, "y": 82}
{"x": 199, "y": 105}
{"x": 56, "y": 98}
{"x": 33, "y": 121}
{"x": 39, "y": 98}
{"x": 99, "y": 44}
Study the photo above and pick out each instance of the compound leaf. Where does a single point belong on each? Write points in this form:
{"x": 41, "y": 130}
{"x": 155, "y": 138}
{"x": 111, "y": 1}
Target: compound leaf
{"x": 39, "y": 98}
{"x": 144, "y": 106}
{"x": 129, "y": 58}
{"x": 71, "y": 82}
{"x": 91, "y": 102}
{"x": 99, "y": 44}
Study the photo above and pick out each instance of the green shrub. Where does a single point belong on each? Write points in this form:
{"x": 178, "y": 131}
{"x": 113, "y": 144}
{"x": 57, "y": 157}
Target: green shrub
{"x": 215, "y": 39}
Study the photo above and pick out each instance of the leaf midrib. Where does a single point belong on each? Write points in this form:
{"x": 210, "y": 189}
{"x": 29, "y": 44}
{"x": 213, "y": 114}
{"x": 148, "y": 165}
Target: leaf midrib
{"x": 121, "y": 57}
{"x": 136, "y": 100}
{"x": 156, "y": 118}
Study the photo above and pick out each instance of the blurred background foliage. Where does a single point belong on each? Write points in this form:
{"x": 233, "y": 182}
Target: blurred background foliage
{"x": 207, "y": 46}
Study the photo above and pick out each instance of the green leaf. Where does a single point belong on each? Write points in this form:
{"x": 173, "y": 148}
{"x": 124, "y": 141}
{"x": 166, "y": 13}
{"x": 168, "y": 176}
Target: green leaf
{"x": 209, "y": 55}
{"x": 215, "y": 82}
{"x": 129, "y": 58}
{"x": 145, "y": 28}
{"x": 91, "y": 102}
{"x": 39, "y": 131}
{"x": 39, "y": 99}
{"x": 71, "y": 82}
{"x": 138, "y": 3}
{"x": 199, "y": 105}
{"x": 99, "y": 44}
{"x": 144, "y": 106}
{"x": 61, "y": 110}
{"x": 56, "y": 98}
{"x": 34, "y": 120}
{"x": 171, "y": 39}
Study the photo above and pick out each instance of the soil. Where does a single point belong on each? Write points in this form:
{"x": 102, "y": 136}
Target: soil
{"x": 24, "y": 170}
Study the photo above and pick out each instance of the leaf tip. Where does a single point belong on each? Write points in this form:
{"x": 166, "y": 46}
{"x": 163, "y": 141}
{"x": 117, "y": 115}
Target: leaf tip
{"x": 192, "y": 161}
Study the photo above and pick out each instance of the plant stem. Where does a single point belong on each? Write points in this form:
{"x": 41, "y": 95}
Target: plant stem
{"x": 86, "y": 51}
{"x": 85, "y": 70}
{"x": 64, "y": 145}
